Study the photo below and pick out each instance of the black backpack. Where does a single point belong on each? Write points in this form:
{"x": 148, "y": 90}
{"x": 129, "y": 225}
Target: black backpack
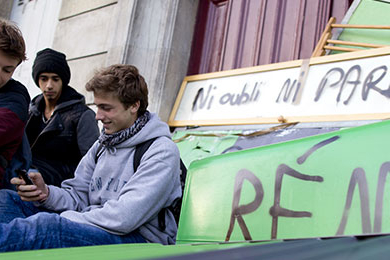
{"x": 175, "y": 208}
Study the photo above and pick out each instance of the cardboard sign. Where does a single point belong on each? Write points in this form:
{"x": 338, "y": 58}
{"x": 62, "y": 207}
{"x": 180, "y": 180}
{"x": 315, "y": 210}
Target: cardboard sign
{"x": 326, "y": 185}
{"x": 348, "y": 86}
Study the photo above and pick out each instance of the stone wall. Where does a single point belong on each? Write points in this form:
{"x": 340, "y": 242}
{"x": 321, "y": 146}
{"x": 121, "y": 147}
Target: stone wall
{"x": 154, "y": 35}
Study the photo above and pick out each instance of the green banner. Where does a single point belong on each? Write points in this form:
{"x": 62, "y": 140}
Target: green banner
{"x": 325, "y": 185}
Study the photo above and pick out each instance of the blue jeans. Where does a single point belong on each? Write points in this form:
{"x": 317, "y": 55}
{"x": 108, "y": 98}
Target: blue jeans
{"x": 24, "y": 227}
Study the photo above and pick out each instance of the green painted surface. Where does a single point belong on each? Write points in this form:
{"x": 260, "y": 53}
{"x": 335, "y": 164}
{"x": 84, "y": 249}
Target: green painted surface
{"x": 369, "y": 12}
{"x": 209, "y": 193}
{"x": 124, "y": 251}
{"x": 199, "y": 145}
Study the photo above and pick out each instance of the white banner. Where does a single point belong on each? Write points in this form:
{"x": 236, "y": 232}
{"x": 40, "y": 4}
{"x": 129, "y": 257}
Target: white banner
{"x": 351, "y": 84}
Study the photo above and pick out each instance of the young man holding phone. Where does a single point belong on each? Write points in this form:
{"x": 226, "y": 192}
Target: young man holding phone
{"x": 106, "y": 202}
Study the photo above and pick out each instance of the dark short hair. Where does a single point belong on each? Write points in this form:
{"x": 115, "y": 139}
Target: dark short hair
{"x": 125, "y": 82}
{"x": 11, "y": 41}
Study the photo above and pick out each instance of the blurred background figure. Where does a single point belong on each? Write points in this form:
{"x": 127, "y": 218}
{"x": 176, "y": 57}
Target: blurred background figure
{"x": 14, "y": 100}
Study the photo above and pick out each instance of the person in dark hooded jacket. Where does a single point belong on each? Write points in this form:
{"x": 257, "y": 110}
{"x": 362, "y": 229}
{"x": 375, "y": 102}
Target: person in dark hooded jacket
{"x": 61, "y": 128}
{"x": 14, "y": 98}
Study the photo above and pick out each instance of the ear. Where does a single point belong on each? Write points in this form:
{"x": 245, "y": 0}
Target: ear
{"x": 134, "y": 107}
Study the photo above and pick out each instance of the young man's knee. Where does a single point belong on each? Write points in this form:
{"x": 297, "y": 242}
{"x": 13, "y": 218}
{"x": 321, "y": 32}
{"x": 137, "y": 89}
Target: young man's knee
{"x": 45, "y": 218}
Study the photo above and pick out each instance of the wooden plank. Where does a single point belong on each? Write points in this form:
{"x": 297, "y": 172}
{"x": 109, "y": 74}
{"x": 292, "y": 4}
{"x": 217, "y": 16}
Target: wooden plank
{"x": 361, "y": 26}
{"x": 325, "y": 36}
{"x": 277, "y": 120}
{"x": 336, "y": 48}
{"x": 360, "y": 44}
{"x": 177, "y": 101}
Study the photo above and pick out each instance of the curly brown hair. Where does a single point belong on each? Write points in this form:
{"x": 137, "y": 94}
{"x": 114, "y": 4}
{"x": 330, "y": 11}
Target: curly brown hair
{"x": 125, "y": 82}
{"x": 11, "y": 41}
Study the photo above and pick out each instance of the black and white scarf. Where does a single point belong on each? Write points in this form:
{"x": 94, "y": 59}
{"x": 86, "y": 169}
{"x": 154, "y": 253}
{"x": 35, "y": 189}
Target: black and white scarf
{"x": 123, "y": 135}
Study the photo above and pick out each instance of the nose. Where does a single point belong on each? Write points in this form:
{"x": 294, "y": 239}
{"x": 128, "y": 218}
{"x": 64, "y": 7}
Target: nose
{"x": 49, "y": 84}
{"x": 99, "y": 115}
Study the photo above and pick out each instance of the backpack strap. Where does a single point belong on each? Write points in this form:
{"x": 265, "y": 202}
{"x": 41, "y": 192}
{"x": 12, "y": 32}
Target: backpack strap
{"x": 140, "y": 149}
{"x": 99, "y": 152}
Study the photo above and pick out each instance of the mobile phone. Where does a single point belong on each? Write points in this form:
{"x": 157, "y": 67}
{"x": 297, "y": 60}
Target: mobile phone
{"x": 23, "y": 175}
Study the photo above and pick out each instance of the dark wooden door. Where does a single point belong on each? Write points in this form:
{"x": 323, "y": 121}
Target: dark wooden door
{"x": 233, "y": 34}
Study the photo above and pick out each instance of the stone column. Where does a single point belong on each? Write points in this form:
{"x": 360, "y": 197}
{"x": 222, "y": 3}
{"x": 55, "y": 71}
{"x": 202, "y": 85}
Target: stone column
{"x": 5, "y": 8}
{"x": 159, "y": 44}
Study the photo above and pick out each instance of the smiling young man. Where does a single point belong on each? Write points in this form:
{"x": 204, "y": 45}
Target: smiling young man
{"x": 14, "y": 98}
{"x": 60, "y": 128}
{"x": 107, "y": 202}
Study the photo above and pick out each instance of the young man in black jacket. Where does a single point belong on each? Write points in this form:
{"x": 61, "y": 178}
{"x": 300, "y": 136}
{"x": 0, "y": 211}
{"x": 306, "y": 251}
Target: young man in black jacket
{"x": 14, "y": 98}
{"x": 60, "y": 128}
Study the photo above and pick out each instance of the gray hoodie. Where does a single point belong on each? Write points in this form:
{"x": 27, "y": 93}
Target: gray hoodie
{"x": 109, "y": 195}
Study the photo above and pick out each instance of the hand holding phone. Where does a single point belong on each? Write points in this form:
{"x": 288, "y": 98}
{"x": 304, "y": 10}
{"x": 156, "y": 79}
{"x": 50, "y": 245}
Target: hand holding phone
{"x": 35, "y": 188}
{"x": 23, "y": 175}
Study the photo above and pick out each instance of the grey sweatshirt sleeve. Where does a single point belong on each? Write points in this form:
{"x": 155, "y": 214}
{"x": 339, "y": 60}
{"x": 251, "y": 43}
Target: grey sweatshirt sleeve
{"x": 154, "y": 186}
